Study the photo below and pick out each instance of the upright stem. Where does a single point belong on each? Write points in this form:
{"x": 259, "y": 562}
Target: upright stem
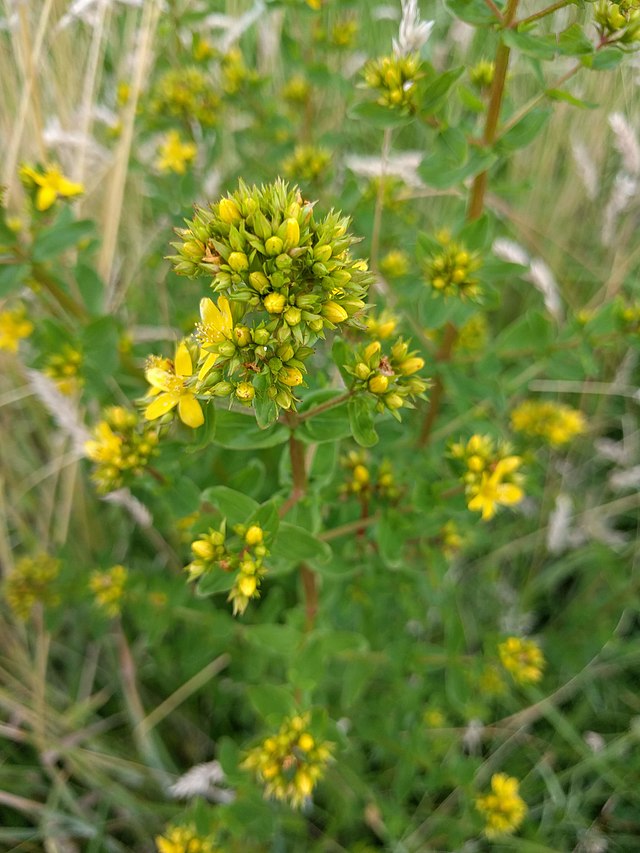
{"x": 377, "y": 214}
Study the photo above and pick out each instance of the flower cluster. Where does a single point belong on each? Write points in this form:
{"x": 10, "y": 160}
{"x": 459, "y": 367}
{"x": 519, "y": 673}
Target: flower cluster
{"x": 450, "y": 271}
{"x": 481, "y": 74}
{"x": 472, "y": 335}
{"x": 395, "y": 79}
{"x": 383, "y": 326}
{"x": 619, "y": 22}
{"x": 184, "y": 839}
{"x": 308, "y": 163}
{"x": 64, "y": 369}
{"x": 187, "y": 94}
{"x": 523, "y": 659}
{"x": 49, "y": 184}
{"x": 503, "y": 809}
{"x": 32, "y": 582}
{"x": 174, "y": 155}
{"x": 450, "y": 538}
{"x": 366, "y": 482}
{"x": 554, "y": 422}
{"x": 243, "y": 554}
{"x": 283, "y": 278}
{"x": 296, "y": 90}
{"x": 108, "y": 588}
{"x": 291, "y": 762}
{"x": 395, "y": 264}
{"x": 173, "y": 384}
{"x": 122, "y": 445}
{"x": 491, "y": 474}
{"x": 390, "y": 378}
{"x": 14, "y": 327}
{"x": 235, "y": 74}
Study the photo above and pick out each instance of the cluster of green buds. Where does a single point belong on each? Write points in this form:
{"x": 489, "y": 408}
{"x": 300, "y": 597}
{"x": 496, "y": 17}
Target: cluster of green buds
{"x": 122, "y": 446}
{"x": 243, "y": 553}
{"x": 490, "y": 473}
{"x": 308, "y": 163}
{"x": 481, "y": 74}
{"x": 395, "y": 264}
{"x": 395, "y": 79}
{"x": 450, "y": 539}
{"x": 64, "y": 368}
{"x": 296, "y": 90}
{"x": 108, "y": 589}
{"x": 619, "y": 22}
{"x": 32, "y": 581}
{"x": 188, "y": 94}
{"x": 291, "y": 762}
{"x": 283, "y": 279}
{"x": 235, "y": 74}
{"x": 390, "y": 378}
{"x": 450, "y": 270}
{"x": 365, "y": 480}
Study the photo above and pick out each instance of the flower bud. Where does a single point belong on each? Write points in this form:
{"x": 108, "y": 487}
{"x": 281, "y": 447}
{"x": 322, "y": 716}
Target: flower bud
{"x": 274, "y": 303}
{"x": 361, "y": 474}
{"x": 247, "y": 584}
{"x": 254, "y": 535}
{"x": 399, "y": 350}
{"x": 228, "y": 211}
{"x": 284, "y": 399}
{"x": 242, "y": 335}
{"x": 316, "y": 324}
{"x": 227, "y": 349}
{"x": 378, "y": 384}
{"x": 393, "y": 401}
{"x": 203, "y": 548}
{"x": 362, "y": 370}
{"x": 333, "y": 312}
{"x": 273, "y": 246}
{"x": 411, "y": 365}
{"x": 245, "y": 392}
{"x": 292, "y": 316}
{"x": 371, "y": 350}
{"x": 341, "y": 276}
{"x": 261, "y": 337}
{"x": 238, "y": 261}
{"x": 283, "y": 262}
{"x": 259, "y": 281}
{"x": 275, "y": 365}
{"x": 306, "y": 301}
{"x": 291, "y": 234}
{"x": 222, "y": 389}
{"x": 285, "y": 352}
{"x": 291, "y": 376}
{"x": 322, "y": 253}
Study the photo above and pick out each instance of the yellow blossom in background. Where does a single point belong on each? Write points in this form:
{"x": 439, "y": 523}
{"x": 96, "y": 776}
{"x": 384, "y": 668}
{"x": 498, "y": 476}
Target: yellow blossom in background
{"x": 202, "y": 49}
{"x": 296, "y": 90}
{"x": 503, "y": 809}
{"x": 450, "y": 271}
{"x": 554, "y": 422}
{"x": 64, "y": 369}
{"x": 51, "y": 184}
{"x": 434, "y": 718}
{"x": 494, "y": 490}
{"x": 344, "y": 32}
{"x": 32, "y": 582}
{"x": 290, "y": 763}
{"x": 472, "y": 335}
{"x": 383, "y": 326}
{"x": 14, "y": 327}
{"x": 174, "y": 154}
{"x": 395, "y": 79}
{"x": 481, "y": 74}
{"x": 184, "y": 839}
{"x": 308, "y": 163}
{"x": 170, "y": 388}
{"x": 451, "y": 539}
{"x": 121, "y": 444}
{"x": 108, "y": 589}
{"x": 395, "y": 264}
{"x": 523, "y": 659}
{"x": 187, "y": 93}
{"x": 491, "y": 682}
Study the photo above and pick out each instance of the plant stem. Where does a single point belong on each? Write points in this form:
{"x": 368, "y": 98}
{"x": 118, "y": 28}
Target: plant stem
{"x": 377, "y": 214}
{"x": 437, "y": 392}
{"x": 63, "y": 299}
{"x": 496, "y": 11}
{"x": 299, "y": 475}
{"x": 544, "y": 12}
{"x": 324, "y": 407}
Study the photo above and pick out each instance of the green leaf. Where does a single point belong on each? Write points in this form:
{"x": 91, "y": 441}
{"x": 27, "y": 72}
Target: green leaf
{"x": 341, "y": 352}
{"x": 378, "y": 115}
{"x": 100, "y": 344}
{"x": 295, "y": 544}
{"x": 561, "y": 95}
{"x": 265, "y": 407}
{"x": 183, "y": 496}
{"x": 332, "y": 425}
{"x": 438, "y": 174}
{"x": 240, "y": 432}
{"x": 214, "y": 582}
{"x": 536, "y": 46}
{"x": 203, "y": 437}
{"x": 52, "y": 241}
{"x": 235, "y": 506}
{"x": 477, "y": 235}
{"x": 271, "y": 702}
{"x": 574, "y": 42}
{"x": 91, "y": 288}
{"x": 277, "y": 639}
{"x": 434, "y": 90}
{"x": 12, "y": 276}
{"x": 472, "y": 11}
{"x": 361, "y": 420}
{"x": 525, "y": 131}
{"x": 603, "y": 60}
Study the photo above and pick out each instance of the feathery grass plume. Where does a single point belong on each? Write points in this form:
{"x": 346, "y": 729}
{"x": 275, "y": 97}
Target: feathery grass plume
{"x": 413, "y": 32}
{"x": 586, "y": 168}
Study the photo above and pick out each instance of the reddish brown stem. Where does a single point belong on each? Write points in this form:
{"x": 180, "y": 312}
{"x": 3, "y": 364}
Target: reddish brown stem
{"x": 437, "y": 391}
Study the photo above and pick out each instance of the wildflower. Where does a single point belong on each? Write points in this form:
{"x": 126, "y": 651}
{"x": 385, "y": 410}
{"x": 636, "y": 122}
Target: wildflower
{"x": 296, "y": 90}
{"x": 503, "y": 809}
{"x": 434, "y": 718}
{"x": 290, "y": 763}
{"x": 523, "y": 659}
{"x": 308, "y": 163}
{"x": 235, "y": 73}
{"x": 555, "y": 423}
{"x": 170, "y": 387}
{"x": 121, "y": 444}
{"x": 187, "y": 94}
{"x": 395, "y": 78}
{"x": 216, "y": 327}
{"x": 382, "y": 327}
{"x": 618, "y": 22}
{"x": 51, "y": 184}
{"x": 493, "y": 491}
{"x": 184, "y": 839}
{"x": 390, "y": 378}
{"x": 450, "y": 270}
{"x": 174, "y": 154}
{"x": 481, "y": 75}
{"x": 395, "y": 264}
{"x": 32, "y": 582}
{"x": 64, "y": 369}
{"x": 108, "y": 588}
{"x": 472, "y": 335}
{"x": 451, "y": 539}
{"x": 344, "y": 32}
{"x": 14, "y": 327}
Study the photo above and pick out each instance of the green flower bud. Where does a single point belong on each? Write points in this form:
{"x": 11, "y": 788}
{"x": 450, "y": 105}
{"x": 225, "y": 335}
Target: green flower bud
{"x": 273, "y": 246}
{"x": 291, "y": 376}
{"x": 238, "y": 261}
{"x": 333, "y": 312}
{"x": 261, "y": 337}
{"x": 275, "y": 365}
{"x": 245, "y": 392}
{"x": 393, "y": 401}
{"x": 259, "y": 281}
{"x": 285, "y": 352}
{"x": 378, "y": 384}
{"x": 222, "y": 389}
{"x": 341, "y": 277}
{"x": 399, "y": 350}
{"x": 274, "y": 303}
{"x": 228, "y": 211}
{"x": 320, "y": 270}
{"x": 292, "y": 315}
{"x": 362, "y": 370}
{"x": 322, "y": 253}
{"x": 316, "y": 325}
{"x": 227, "y": 349}
{"x": 283, "y": 262}
{"x": 242, "y": 335}
{"x": 306, "y": 300}
{"x": 284, "y": 399}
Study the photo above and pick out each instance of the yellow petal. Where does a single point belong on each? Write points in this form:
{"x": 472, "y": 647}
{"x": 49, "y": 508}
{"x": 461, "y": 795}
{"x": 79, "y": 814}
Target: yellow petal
{"x": 160, "y": 406}
{"x": 190, "y": 411}
{"x": 158, "y": 378}
{"x": 184, "y": 366}
{"x": 209, "y": 361}
{"x": 225, "y": 312}
{"x": 45, "y": 198}
{"x": 69, "y": 188}
{"x": 508, "y": 494}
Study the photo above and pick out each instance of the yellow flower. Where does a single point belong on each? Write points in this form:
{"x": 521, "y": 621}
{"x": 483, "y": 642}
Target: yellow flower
{"x": 492, "y": 491}
{"x": 108, "y": 588}
{"x": 64, "y": 368}
{"x": 14, "y": 326}
{"x": 52, "y": 183}
{"x": 554, "y": 422}
{"x": 170, "y": 388}
{"x": 395, "y": 264}
{"x": 175, "y": 154}
{"x": 216, "y": 326}
{"x": 523, "y": 659}
{"x": 503, "y": 809}
{"x": 183, "y": 839}
{"x": 32, "y": 581}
